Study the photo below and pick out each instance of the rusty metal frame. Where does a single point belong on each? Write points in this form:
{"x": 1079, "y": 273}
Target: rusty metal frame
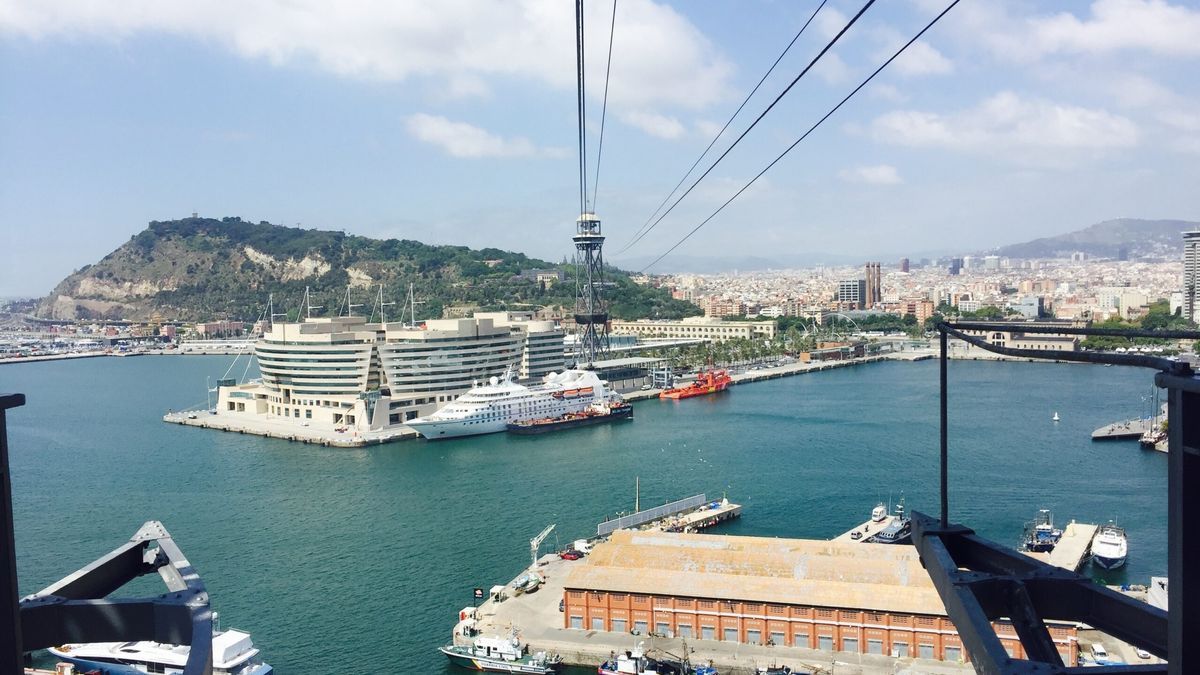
{"x": 76, "y": 608}
{"x": 979, "y": 580}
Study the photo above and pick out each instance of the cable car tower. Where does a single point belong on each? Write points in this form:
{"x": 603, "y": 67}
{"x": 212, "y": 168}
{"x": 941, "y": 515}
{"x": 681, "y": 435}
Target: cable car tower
{"x": 591, "y": 312}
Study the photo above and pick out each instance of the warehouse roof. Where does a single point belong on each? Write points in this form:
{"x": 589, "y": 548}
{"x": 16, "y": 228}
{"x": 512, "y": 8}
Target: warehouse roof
{"x": 877, "y": 577}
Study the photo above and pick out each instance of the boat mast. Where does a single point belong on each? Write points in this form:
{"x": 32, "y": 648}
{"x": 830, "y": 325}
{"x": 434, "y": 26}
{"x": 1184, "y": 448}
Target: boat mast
{"x": 309, "y": 307}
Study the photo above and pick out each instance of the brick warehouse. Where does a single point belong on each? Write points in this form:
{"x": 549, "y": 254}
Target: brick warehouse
{"x": 865, "y": 598}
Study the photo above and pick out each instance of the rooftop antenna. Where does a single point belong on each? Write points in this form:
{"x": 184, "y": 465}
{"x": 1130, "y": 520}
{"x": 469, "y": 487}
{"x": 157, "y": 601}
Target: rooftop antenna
{"x": 308, "y": 306}
{"x": 412, "y": 306}
{"x": 381, "y": 304}
{"x": 349, "y": 305}
{"x": 271, "y": 313}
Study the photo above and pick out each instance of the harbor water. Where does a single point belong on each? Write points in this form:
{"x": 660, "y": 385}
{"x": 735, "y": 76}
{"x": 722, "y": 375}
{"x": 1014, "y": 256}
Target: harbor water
{"x": 343, "y": 560}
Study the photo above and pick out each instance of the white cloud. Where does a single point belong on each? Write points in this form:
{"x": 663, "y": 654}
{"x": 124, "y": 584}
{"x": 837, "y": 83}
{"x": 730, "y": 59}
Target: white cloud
{"x": 1151, "y": 25}
{"x": 880, "y": 174}
{"x": 659, "y": 57}
{"x": 1006, "y": 121}
{"x": 707, "y": 128}
{"x": 832, "y": 69}
{"x": 922, "y": 59}
{"x": 465, "y": 140}
{"x": 660, "y": 126}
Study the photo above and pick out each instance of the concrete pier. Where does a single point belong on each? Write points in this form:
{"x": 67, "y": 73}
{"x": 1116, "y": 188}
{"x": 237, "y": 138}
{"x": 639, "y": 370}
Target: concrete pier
{"x": 1072, "y": 550}
{"x": 288, "y": 430}
{"x": 865, "y": 531}
{"x": 1132, "y": 429}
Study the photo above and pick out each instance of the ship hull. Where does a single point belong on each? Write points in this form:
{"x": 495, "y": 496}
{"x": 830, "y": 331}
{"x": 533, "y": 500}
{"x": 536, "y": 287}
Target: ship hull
{"x": 530, "y": 429}
{"x": 1108, "y": 563}
{"x": 487, "y": 665}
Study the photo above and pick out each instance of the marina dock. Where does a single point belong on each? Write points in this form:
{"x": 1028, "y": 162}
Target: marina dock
{"x": 1072, "y": 549}
{"x": 1129, "y": 429}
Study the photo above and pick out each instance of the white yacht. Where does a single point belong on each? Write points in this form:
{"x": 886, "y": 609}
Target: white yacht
{"x": 493, "y": 406}
{"x": 1109, "y": 546}
{"x": 233, "y": 654}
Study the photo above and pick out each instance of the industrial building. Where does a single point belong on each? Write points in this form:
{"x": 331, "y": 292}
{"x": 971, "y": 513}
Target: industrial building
{"x": 820, "y": 595}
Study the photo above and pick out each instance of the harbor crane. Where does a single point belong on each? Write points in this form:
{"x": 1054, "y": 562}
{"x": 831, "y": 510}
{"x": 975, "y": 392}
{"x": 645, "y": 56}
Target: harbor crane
{"x": 537, "y": 542}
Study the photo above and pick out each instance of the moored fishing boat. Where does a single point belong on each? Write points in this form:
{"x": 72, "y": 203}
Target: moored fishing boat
{"x": 597, "y": 413}
{"x": 500, "y": 655}
{"x": 707, "y": 382}
{"x": 1041, "y": 535}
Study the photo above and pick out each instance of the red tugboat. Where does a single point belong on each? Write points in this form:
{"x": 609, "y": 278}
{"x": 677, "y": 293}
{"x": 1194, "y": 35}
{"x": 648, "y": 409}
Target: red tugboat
{"x": 709, "y": 382}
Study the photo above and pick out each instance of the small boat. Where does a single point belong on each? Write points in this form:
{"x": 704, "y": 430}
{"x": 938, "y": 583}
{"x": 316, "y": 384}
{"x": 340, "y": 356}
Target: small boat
{"x": 1041, "y": 535}
{"x": 707, "y": 382}
{"x": 1056, "y": 417}
{"x": 500, "y": 655}
{"x": 879, "y": 513}
{"x": 526, "y": 583}
{"x": 608, "y": 411}
{"x": 635, "y": 662}
{"x": 775, "y": 670}
{"x": 1110, "y": 546}
{"x": 234, "y": 653}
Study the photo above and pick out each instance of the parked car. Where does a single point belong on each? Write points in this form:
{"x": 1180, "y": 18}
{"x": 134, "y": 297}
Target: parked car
{"x": 570, "y": 554}
{"x": 1099, "y": 651}
{"x": 1142, "y": 653}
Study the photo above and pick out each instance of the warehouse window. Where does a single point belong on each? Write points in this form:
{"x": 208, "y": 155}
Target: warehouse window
{"x": 900, "y": 649}
{"x": 639, "y": 627}
{"x": 850, "y": 644}
{"x": 597, "y": 623}
{"x": 953, "y": 654}
{"x": 754, "y": 637}
{"x": 577, "y": 622}
{"x": 619, "y": 625}
{"x": 662, "y": 628}
{"x": 925, "y": 651}
{"x": 874, "y": 646}
{"x": 777, "y": 639}
{"x": 825, "y": 643}
{"x": 800, "y": 640}
{"x": 729, "y": 635}
{"x": 708, "y": 633}
{"x": 684, "y": 630}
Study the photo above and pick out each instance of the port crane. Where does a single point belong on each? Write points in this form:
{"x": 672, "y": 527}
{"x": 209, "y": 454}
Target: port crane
{"x": 537, "y": 542}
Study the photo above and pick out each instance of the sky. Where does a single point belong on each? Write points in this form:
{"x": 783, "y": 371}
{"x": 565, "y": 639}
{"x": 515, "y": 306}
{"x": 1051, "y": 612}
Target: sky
{"x": 455, "y": 122}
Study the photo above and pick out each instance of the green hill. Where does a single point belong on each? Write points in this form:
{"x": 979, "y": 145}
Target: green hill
{"x": 201, "y": 268}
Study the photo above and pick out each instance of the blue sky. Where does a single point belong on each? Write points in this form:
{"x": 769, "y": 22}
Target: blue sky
{"x": 454, "y": 122}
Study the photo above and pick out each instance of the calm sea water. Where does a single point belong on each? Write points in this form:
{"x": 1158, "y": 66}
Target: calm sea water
{"x": 358, "y": 560}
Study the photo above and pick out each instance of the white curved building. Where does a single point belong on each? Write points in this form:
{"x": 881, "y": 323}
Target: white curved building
{"x": 344, "y": 374}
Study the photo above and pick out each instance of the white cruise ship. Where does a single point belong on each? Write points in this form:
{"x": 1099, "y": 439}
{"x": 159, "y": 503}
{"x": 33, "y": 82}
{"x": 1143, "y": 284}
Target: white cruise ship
{"x": 492, "y": 407}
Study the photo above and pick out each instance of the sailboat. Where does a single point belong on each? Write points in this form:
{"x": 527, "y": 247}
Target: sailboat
{"x": 1056, "y": 417}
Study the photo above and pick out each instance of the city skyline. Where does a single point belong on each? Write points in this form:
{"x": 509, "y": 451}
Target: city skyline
{"x": 1004, "y": 124}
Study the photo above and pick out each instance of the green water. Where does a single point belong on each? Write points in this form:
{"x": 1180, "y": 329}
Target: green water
{"x": 358, "y": 560}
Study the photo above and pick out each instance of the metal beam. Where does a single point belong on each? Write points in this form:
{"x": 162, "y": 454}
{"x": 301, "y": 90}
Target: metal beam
{"x": 1183, "y": 515}
{"x": 10, "y": 622}
{"x": 75, "y": 609}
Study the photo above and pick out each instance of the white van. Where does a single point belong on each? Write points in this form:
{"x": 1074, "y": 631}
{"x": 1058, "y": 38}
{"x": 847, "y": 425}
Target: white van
{"x": 1098, "y": 651}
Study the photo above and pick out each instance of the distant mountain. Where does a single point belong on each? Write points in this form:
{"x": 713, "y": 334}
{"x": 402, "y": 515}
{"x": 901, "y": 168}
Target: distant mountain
{"x": 1140, "y": 238}
{"x": 201, "y": 269}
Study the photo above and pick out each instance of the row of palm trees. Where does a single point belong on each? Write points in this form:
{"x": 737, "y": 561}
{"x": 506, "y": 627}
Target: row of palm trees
{"x": 741, "y": 352}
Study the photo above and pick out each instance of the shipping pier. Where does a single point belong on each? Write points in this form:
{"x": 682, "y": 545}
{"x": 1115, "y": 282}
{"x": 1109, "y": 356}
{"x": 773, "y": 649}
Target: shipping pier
{"x": 1072, "y": 549}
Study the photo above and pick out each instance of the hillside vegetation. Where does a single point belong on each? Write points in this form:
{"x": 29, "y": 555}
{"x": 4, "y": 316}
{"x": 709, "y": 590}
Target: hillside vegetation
{"x": 202, "y": 268}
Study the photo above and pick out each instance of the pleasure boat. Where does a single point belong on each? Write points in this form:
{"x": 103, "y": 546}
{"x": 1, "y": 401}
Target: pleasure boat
{"x": 233, "y": 654}
{"x": 1109, "y": 546}
{"x": 500, "y": 655}
{"x": 1041, "y": 535}
{"x": 491, "y": 407}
